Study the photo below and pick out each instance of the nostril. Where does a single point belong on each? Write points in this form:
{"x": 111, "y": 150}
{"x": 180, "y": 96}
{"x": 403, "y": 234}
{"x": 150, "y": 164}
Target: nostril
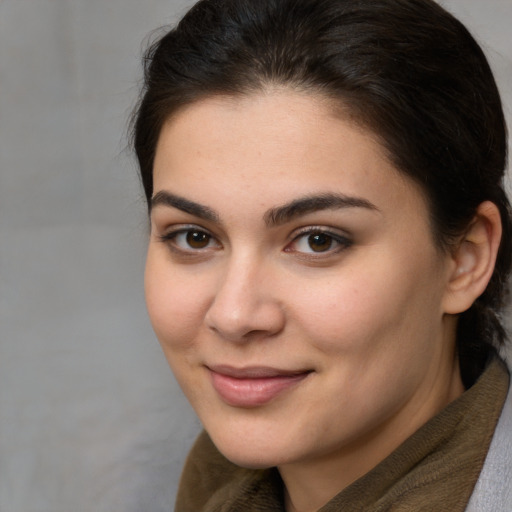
{"x": 248, "y": 321}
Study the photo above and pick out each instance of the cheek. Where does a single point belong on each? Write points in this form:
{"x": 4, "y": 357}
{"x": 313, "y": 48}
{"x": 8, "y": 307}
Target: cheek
{"x": 372, "y": 308}
{"x": 175, "y": 304}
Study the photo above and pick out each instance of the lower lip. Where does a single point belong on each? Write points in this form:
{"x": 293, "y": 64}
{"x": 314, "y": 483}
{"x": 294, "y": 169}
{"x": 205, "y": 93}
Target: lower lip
{"x": 253, "y": 392}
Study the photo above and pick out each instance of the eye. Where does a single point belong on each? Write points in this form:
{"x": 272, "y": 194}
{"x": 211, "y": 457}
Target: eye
{"x": 318, "y": 242}
{"x": 190, "y": 239}
{"x": 193, "y": 239}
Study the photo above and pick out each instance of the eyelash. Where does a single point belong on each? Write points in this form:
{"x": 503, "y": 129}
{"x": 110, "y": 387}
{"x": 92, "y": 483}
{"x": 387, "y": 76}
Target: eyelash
{"x": 170, "y": 239}
{"x": 340, "y": 242}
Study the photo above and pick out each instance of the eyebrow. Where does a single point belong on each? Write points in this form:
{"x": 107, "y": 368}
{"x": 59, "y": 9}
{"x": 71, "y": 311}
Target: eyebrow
{"x": 274, "y": 216}
{"x": 310, "y": 204}
{"x": 164, "y": 198}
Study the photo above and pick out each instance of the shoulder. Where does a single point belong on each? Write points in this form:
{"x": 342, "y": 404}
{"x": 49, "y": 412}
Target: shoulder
{"x": 493, "y": 490}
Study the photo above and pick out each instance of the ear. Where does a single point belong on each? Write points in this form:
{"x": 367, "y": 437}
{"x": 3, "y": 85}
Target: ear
{"x": 474, "y": 259}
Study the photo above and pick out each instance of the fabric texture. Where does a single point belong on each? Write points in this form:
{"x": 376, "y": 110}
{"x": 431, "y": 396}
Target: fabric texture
{"x": 435, "y": 469}
{"x": 493, "y": 491}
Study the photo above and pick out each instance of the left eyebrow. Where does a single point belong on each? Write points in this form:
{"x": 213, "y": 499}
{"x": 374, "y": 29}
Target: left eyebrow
{"x": 309, "y": 204}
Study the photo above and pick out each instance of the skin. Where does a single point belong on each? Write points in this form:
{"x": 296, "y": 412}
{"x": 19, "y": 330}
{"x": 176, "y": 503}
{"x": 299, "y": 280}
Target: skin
{"x": 360, "y": 312}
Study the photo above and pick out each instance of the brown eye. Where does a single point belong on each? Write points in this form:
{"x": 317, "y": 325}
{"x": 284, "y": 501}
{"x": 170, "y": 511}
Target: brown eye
{"x": 316, "y": 241}
{"x": 320, "y": 242}
{"x": 197, "y": 239}
{"x": 190, "y": 240}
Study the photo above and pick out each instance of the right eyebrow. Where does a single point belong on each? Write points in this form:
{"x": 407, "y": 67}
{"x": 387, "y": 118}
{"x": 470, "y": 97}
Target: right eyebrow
{"x": 164, "y": 198}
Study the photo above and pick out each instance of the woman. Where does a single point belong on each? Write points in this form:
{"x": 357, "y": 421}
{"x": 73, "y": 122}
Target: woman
{"x": 330, "y": 243}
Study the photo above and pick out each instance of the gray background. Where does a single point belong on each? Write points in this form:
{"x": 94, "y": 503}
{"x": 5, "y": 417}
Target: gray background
{"x": 90, "y": 416}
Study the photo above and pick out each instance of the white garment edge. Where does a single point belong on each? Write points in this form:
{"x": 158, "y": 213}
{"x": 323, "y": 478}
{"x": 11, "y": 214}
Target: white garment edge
{"x": 493, "y": 490}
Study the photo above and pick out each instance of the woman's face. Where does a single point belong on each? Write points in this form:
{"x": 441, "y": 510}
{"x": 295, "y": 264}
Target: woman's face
{"x": 293, "y": 282}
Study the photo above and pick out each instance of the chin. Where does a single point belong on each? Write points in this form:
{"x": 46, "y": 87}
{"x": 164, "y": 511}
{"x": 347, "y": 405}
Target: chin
{"x": 248, "y": 458}
{"x": 248, "y": 453}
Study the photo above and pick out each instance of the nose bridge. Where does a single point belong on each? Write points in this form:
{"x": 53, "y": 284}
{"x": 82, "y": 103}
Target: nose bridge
{"x": 245, "y": 302}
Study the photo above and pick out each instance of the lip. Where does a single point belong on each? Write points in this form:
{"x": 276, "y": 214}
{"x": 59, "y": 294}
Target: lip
{"x": 252, "y": 386}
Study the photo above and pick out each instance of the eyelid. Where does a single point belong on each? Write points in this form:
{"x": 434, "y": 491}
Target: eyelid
{"x": 343, "y": 240}
{"x": 327, "y": 230}
{"x": 170, "y": 234}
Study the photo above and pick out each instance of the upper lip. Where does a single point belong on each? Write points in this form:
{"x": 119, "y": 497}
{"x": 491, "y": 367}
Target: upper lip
{"x": 254, "y": 372}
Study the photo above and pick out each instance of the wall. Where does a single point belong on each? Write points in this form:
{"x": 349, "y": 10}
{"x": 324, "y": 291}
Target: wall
{"x": 90, "y": 416}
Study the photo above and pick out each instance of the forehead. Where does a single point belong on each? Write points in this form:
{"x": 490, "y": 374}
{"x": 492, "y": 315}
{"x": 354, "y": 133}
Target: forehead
{"x": 274, "y": 144}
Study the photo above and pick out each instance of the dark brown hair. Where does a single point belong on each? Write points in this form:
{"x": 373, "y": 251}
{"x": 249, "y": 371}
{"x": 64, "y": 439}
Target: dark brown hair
{"x": 406, "y": 69}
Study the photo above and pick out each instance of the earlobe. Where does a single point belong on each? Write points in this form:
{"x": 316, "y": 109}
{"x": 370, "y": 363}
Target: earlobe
{"x": 474, "y": 259}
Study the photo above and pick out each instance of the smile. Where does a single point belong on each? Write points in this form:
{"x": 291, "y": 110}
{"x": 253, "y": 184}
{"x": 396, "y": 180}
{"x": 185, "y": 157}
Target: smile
{"x": 252, "y": 387}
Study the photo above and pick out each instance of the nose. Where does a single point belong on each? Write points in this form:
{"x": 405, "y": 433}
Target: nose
{"x": 245, "y": 305}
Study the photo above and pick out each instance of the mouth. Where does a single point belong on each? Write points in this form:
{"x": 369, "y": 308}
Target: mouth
{"x": 253, "y": 386}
